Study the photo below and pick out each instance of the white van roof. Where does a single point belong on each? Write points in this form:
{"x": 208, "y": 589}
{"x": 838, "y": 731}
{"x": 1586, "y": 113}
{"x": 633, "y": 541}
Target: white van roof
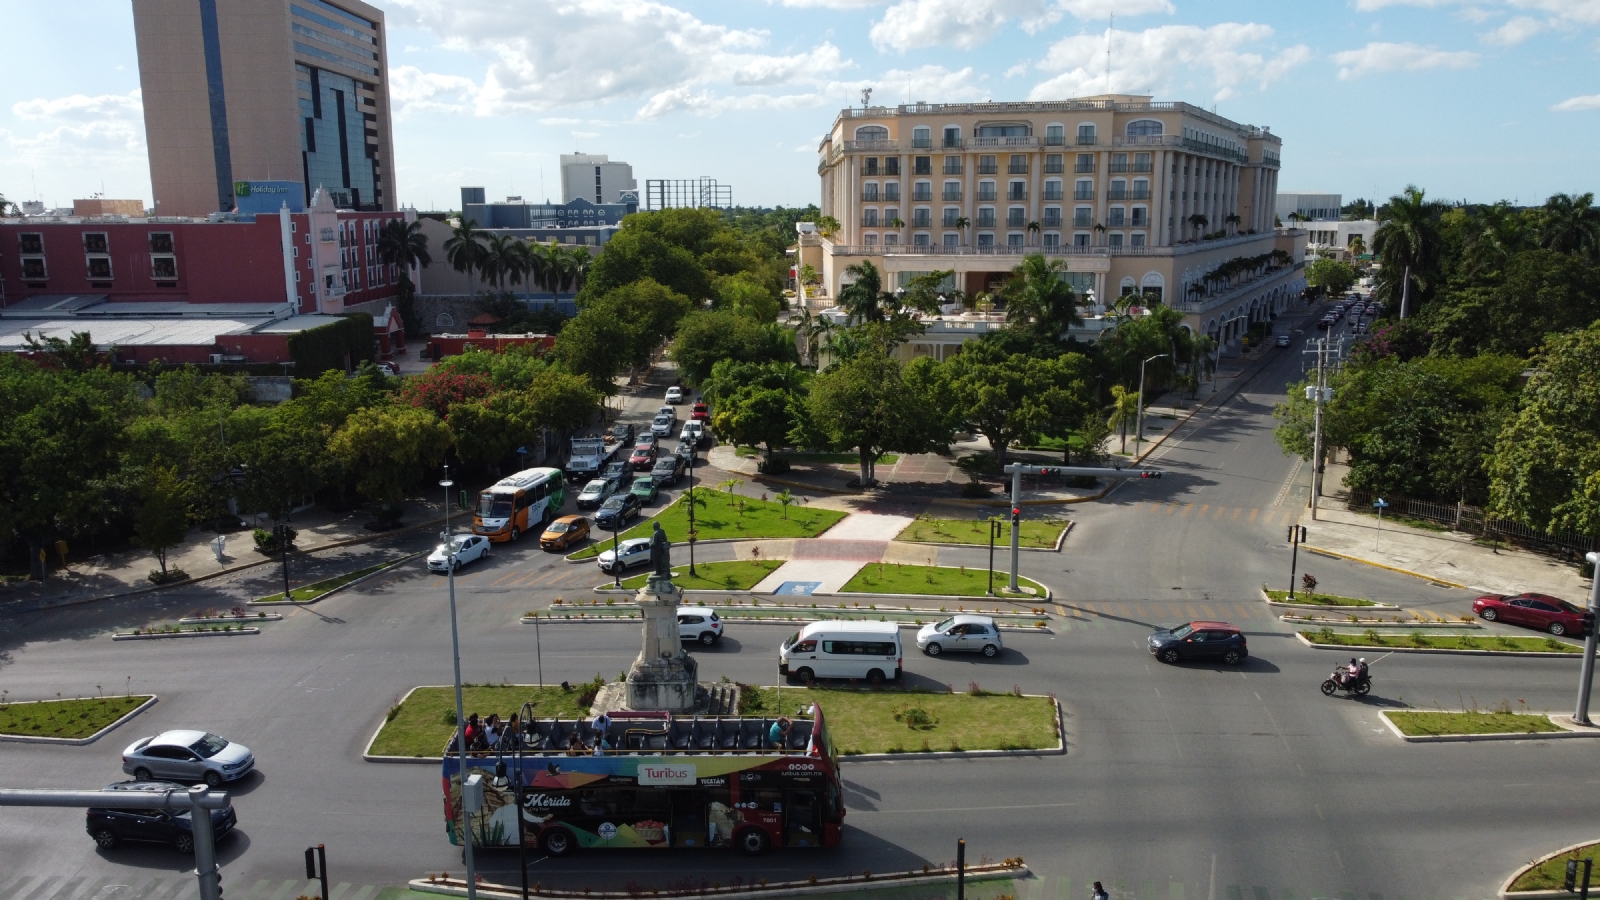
{"x": 841, "y": 626}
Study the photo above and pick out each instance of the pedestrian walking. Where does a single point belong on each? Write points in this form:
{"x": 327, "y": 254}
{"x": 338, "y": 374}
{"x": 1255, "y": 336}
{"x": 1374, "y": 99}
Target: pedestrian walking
{"x": 1099, "y": 893}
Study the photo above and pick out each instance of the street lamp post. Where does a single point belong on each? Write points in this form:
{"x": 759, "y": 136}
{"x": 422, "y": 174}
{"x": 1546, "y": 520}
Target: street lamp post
{"x": 1587, "y": 679}
{"x": 692, "y": 573}
{"x": 1138, "y": 434}
{"x": 283, "y": 549}
{"x": 461, "y": 719}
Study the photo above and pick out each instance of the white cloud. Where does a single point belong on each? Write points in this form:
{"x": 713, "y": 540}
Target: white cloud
{"x": 1374, "y": 5}
{"x": 549, "y": 54}
{"x": 909, "y": 24}
{"x": 413, "y": 90}
{"x": 1159, "y": 60}
{"x": 1585, "y": 12}
{"x": 1513, "y": 32}
{"x": 1100, "y": 9}
{"x": 831, "y": 4}
{"x": 81, "y": 108}
{"x": 1379, "y": 56}
{"x": 1578, "y": 104}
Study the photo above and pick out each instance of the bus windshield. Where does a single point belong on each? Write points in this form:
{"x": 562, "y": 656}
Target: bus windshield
{"x": 494, "y": 506}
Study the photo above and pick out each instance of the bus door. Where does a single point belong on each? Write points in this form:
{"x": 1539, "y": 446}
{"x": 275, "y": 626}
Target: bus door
{"x": 802, "y": 826}
{"x": 763, "y": 807}
{"x": 689, "y": 823}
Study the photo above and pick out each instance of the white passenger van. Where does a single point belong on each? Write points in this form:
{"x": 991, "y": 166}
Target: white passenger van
{"x": 838, "y": 649}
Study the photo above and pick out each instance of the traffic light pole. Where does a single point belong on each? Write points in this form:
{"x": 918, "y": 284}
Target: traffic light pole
{"x": 1586, "y": 680}
{"x": 1297, "y": 536}
{"x": 1017, "y": 470}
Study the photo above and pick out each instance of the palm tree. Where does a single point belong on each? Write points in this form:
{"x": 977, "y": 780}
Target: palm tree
{"x": 1037, "y": 295}
{"x": 1233, "y": 221}
{"x": 402, "y": 244}
{"x": 1099, "y": 229}
{"x": 464, "y": 249}
{"x": 1124, "y": 411}
{"x": 864, "y": 298}
{"x": 1407, "y": 240}
{"x": 962, "y": 224}
{"x": 1571, "y": 225}
{"x": 576, "y": 270}
{"x": 502, "y": 261}
{"x": 1358, "y": 246}
{"x": 1202, "y": 346}
{"x": 827, "y": 226}
{"x": 1494, "y": 234}
{"x": 1033, "y": 230}
{"x": 1198, "y": 222}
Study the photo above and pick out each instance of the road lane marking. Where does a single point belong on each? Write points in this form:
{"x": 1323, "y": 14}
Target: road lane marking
{"x": 1220, "y": 511}
{"x": 956, "y": 809}
{"x": 1288, "y": 482}
{"x": 1254, "y": 513}
{"x": 1202, "y": 512}
{"x": 1235, "y": 514}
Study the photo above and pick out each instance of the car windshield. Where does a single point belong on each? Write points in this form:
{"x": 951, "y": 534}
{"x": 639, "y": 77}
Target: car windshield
{"x": 1182, "y": 631}
{"x": 791, "y": 641}
{"x": 945, "y": 625}
{"x": 208, "y": 746}
{"x": 594, "y": 487}
{"x": 559, "y": 527}
{"x": 613, "y": 503}
{"x": 643, "y": 483}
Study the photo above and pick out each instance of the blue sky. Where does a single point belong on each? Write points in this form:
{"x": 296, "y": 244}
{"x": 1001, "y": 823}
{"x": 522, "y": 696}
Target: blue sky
{"x": 1473, "y": 99}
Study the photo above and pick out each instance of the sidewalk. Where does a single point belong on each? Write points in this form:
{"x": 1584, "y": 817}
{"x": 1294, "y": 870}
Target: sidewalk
{"x": 120, "y": 574}
{"x": 1445, "y": 556}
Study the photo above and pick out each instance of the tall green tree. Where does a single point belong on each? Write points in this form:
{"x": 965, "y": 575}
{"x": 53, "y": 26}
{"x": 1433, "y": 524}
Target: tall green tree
{"x": 389, "y": 448}
{"x": 1407, "y": 240}
{"x": 1545, "y": 471}
{"x": 465, "y": 250}
{"x": 162, "y": 519}
{"x": 864, "y": 403}
{"x": 1537, "y": 293}
{"x": 1012, "y": 397}
{"x": 1330, "y": 276}
{"x": 1039, "y": 299}
{"x": 1571, "y": 224}
{"x": 403, "y": 244}
{"x": 704, "y": 338}
{"x": 864, "y": 297}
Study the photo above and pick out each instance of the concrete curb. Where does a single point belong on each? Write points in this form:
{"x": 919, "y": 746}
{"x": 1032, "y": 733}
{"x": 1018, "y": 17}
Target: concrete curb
{"x": 156, "y": 636}
{"x": 1528, "y": 653}
{"x": 1469, "y": 738}
{"x": 1367, "y": 562}
{"x": 807, "y": 611}
{"x": 196, "y": 579}
{"x": 823, "y": 886}
{"x": 1059, "y": 750}
{"x": 78, "y": 742}
{"x": 1505, "y": 889}
{"x": 231, "y": 620}
{"x": 1320, "y": 608}
{"x": 349, "y": 584}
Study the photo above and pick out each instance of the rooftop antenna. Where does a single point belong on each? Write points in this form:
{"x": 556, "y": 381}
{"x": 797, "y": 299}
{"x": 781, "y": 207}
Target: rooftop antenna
{"x": 866, "y": 97}
{"x": 1110, "y": 29}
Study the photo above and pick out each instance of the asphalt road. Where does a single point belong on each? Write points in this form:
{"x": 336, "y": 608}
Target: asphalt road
{"x": 1180, "y": 783}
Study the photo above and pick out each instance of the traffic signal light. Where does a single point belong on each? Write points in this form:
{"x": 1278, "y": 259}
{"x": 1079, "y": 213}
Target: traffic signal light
{"x": 1016, "y": 515}
{"x": 1049, "y": 470}
{"x": 1152, "y": 473}
{"x": 1297, "y": 534}
{"x": 1588, "y": 622}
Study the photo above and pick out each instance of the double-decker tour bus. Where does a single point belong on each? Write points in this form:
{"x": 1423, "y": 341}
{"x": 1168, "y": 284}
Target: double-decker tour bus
{"x": 658, "y": 781}
{"x": 516, "y": 504}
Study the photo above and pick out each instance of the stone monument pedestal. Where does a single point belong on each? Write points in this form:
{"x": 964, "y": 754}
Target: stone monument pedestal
{"x": 663, "y": 677}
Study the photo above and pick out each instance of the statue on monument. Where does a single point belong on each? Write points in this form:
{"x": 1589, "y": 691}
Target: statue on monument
{"x": 661, "y": 553}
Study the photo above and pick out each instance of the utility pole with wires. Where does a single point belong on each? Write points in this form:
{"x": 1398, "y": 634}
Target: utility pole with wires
{"x": 1320, "y": 394}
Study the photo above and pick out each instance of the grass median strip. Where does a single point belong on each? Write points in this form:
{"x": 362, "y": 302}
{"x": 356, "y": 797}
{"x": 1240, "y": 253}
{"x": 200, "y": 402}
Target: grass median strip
{"x": 77, "y": 718}
{"x": 737, "y": 575}
{"x": 309, "y": 592}
{"x": 894, "y": 721}
{"x": 1308, "y": 599}
{"x": 958, "y": 581}
{"x": 1418, "y": 724}
{"x": 722, "y": 515}
{"x": 1551, "y": 875}
{"x": 1037, "y": 533}
{"x": 1420, "y": 641}
{"x": 848, "y": 459}
{"x": 419, "y": 725}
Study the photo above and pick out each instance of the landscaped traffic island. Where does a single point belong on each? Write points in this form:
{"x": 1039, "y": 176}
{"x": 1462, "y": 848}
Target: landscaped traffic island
{"x": 70, "y": 719}
{"x": 315, "y": 590}
{"x": 734, "y": 575}
{"x": 720, "y": 515}
{"x": 955, "y": 581}
{"x": 1488, "y": 643}
{"x": 1550, "y": 874}
{"x": 1307, "y": 598}
{"x": 861, "y": 721}
{"x": 1423, "y": 723}
{"x": 421, "y": 723}
{"x": 892, "y": 721}
{"x": 1036, "y": 533}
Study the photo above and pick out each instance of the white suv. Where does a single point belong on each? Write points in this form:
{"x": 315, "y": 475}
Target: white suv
{"x": 699, "y": 623}
{"x": 631, "y": 552}
{"x": 674, "y": 394}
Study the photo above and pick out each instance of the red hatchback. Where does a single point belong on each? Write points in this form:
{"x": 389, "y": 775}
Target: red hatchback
{"x": 700, "y": 412}
{"x": 644, "y": 456}
{"x": 1540, "y": 611}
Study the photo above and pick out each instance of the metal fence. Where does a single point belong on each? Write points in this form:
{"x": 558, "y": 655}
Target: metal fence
{"x": 1473, "y": 520}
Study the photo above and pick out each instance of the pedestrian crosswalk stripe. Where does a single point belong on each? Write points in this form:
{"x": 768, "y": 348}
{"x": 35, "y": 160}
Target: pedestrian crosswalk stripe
{"x": 42, "y": 889}
{"x": 1203, "y": 508}
{"x": 1254, "y": 513}
{"x": 1234, "y": 515}
{"x": 148, "y": 889}
{"x": 255, "y": 889}
{"x": 67, "y": 890}
{"x": 283, "y": 890}
{"x": 13, "y": 887}
{"x": 338, "y": 890}
{"x": 366, "y": 889}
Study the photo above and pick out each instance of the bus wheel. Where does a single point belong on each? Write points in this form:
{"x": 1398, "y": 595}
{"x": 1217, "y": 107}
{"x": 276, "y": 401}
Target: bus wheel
{"x": 557, "y": 842}
{"x": 752, "y": 841}
{"x": 515, "y": 534}
{"x": 875, "y": 677}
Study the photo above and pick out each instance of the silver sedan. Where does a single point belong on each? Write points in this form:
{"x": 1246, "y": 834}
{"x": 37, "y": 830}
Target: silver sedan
{"x": 187, "y": 757}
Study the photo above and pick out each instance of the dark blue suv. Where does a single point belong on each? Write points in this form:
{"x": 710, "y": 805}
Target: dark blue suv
{"x": 110, "y": 827}
{"x": 1199, "y": 640}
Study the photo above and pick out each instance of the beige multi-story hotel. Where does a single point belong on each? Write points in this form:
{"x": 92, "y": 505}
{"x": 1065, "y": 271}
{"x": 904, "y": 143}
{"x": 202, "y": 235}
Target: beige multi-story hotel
{"x": 264, "y": 90}
{"x": 1138, "y": 197}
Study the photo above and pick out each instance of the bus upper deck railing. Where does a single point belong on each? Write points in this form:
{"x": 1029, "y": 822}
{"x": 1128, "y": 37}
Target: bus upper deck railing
{"x": 627, "y": 736}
